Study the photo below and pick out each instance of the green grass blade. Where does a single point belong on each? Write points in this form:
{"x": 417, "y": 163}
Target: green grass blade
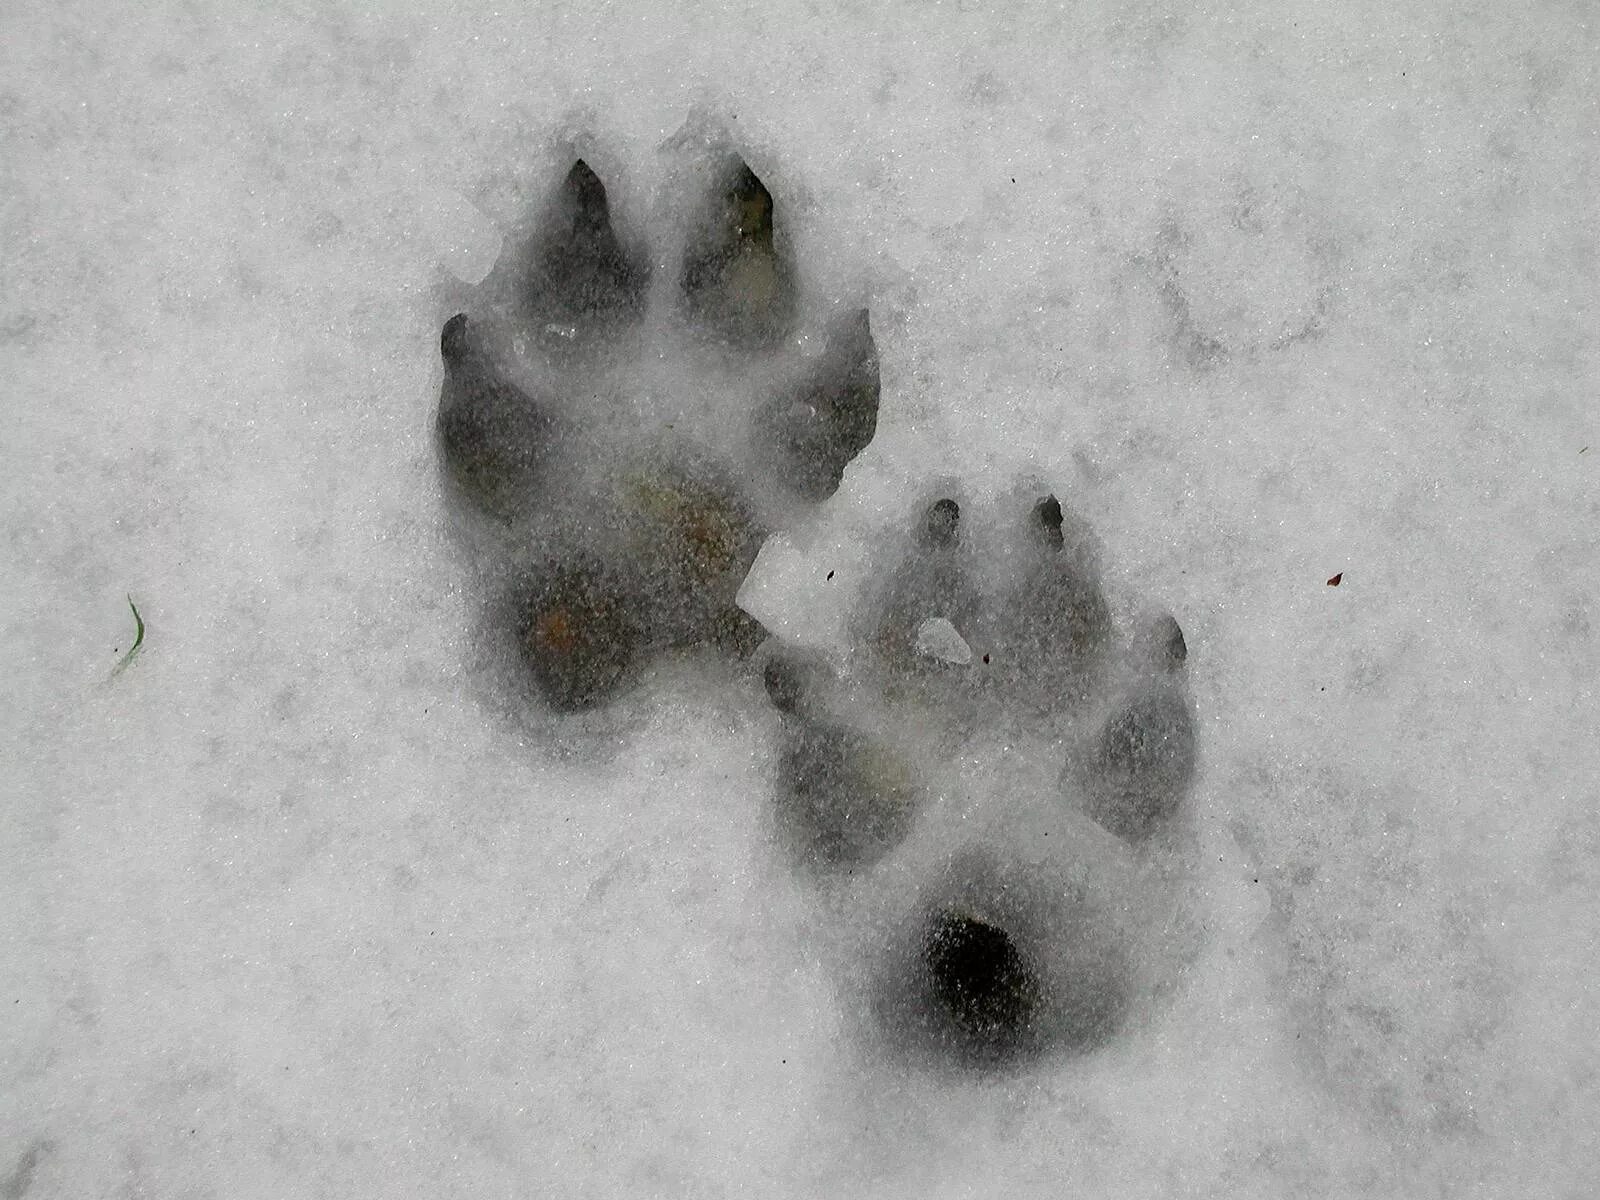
{"x": 138, "y": 640}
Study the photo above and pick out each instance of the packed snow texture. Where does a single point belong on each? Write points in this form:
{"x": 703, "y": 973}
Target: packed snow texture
{"x": 302, "y": 902}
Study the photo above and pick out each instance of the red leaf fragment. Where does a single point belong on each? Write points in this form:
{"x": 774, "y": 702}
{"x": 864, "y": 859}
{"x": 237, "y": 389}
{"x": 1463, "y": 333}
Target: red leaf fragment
{"x": 1334, "y": 582}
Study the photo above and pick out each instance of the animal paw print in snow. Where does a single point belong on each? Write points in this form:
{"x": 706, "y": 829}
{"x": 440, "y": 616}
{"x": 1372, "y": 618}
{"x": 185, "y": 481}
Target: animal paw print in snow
{"x": 629, "y": 436}
{"x": 993, "y": 786}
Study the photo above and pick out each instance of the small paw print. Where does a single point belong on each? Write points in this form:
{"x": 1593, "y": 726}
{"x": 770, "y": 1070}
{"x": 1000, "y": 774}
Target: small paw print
{"x": 995, "y": 779}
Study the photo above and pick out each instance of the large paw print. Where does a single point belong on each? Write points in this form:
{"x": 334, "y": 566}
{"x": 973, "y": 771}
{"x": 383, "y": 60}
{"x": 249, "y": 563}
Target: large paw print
{"x": 628, "y": 436}
{"x": 995, "y": 780}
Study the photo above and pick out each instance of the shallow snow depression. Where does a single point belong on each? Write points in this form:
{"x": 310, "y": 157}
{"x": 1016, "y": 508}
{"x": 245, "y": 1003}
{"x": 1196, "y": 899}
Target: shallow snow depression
{"x": 320, "y": 894}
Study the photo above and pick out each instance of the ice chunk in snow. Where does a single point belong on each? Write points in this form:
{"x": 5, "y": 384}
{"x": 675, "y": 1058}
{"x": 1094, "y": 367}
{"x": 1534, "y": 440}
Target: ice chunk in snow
{"x": 937, "y": 638}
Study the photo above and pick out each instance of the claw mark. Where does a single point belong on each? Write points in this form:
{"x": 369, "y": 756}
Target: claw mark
{"x": 734, "y": 278}
{"x": 138, "y": 640}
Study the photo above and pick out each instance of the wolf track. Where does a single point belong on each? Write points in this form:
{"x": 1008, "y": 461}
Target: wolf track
{"x": 613, "y": 534}
{"x": 991, "y": 785}
{"x": 986, "y": 797}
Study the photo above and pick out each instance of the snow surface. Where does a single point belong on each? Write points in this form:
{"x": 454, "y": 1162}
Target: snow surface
{"x": 1274, "y": 292}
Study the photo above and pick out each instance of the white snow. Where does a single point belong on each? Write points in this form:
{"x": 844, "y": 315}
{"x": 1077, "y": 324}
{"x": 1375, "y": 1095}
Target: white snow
{"x": 295, "y": 906}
